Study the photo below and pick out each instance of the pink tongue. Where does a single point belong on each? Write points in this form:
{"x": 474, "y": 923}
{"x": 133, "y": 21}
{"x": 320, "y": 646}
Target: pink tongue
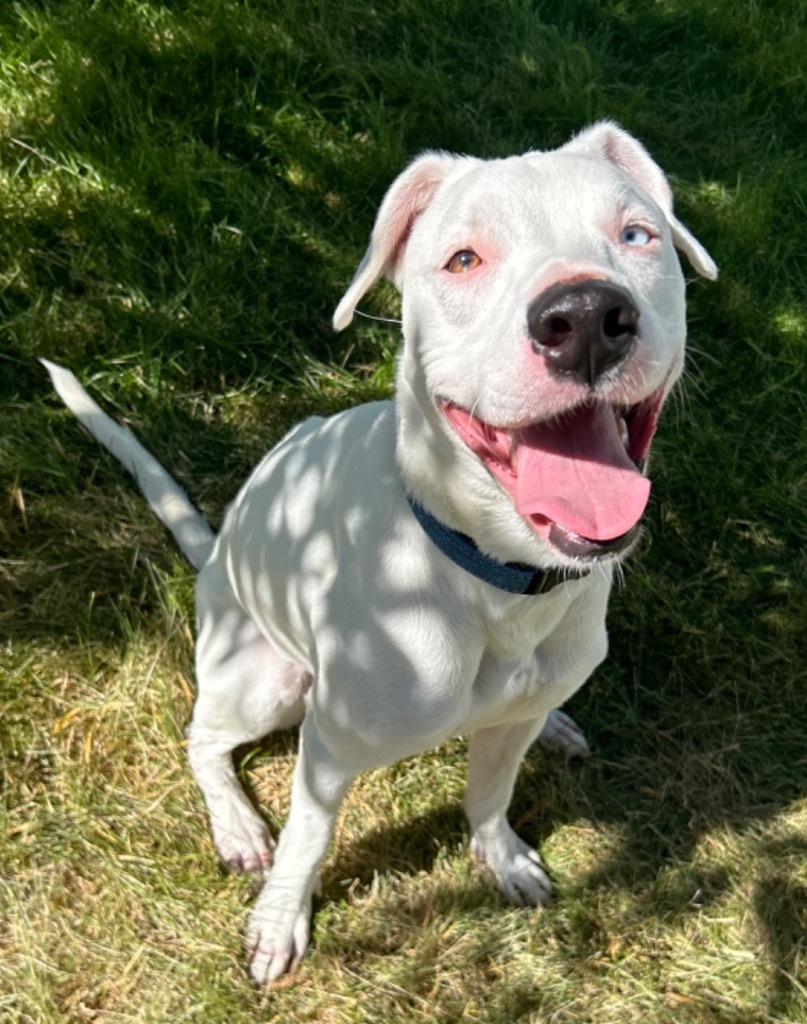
{"x": 576, "y": 472}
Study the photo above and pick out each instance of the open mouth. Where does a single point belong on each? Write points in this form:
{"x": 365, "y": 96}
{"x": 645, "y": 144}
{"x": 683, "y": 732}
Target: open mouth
{"x": 577, "y": 479}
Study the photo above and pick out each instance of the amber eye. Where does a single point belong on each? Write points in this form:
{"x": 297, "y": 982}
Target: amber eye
{"x": 463, "y": 261}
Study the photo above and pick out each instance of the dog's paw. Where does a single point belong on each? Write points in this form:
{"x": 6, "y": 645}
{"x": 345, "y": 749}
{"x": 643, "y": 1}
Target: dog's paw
{"x": 563, "y": 735}
{"x": 243, "y": 840}
{"x": 277, "y": 936}
{"x": 517, "y": 868}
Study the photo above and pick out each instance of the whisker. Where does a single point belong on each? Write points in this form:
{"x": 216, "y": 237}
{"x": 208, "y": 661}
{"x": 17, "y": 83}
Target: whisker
{"x": 380, "y": 319}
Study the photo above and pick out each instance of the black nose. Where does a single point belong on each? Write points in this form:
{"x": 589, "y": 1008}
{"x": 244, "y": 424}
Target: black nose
{"x": 583, "y": 329}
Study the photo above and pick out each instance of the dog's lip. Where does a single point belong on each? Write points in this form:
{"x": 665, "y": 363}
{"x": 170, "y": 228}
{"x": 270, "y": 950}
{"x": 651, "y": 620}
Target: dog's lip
{"x": 585, "y": 549}
{"x": 498, "y": 447}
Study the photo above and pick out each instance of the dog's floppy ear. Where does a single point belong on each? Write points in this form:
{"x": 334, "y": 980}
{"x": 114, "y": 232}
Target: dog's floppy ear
{"x": 407, "y": 197}
{"x": 630, "y": 156}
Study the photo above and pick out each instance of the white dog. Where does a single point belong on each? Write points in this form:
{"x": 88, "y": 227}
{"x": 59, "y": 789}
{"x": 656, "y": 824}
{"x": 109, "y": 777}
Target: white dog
{"x": 407, "y": 571}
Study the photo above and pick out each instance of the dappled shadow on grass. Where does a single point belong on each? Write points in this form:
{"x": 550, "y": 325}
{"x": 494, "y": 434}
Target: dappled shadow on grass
{"x": 686, "y": 830}
{"x": 81, "y": 557}
{"x": 79, "y": 547}
{"x": 220, "y": 172}
{"x": 667, "y": 862}
{"x": 405, "y": 848}
{"x": 204, "y": 206}
{"x": 404, "y": 913}
{"x": 780, "y": 907}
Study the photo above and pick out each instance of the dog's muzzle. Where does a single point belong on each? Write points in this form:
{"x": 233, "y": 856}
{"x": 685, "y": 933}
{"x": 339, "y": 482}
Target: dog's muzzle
{"x": 583, "y": 329}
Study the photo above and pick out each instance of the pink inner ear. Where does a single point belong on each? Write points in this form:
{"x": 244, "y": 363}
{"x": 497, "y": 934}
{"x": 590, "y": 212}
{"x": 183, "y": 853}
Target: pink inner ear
{"x": 393, "y": 236}
{"x": 630, "y": 156}
{"x": 407, "y": 198}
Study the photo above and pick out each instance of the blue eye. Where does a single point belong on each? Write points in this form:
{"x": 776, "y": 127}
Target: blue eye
{"x": 635, "y": 236}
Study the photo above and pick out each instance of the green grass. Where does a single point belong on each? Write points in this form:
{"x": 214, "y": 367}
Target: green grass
{"x": 186, "y": 190}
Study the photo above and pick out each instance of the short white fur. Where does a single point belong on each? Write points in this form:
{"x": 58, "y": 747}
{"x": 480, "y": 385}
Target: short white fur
{"x": 322, "y": 602}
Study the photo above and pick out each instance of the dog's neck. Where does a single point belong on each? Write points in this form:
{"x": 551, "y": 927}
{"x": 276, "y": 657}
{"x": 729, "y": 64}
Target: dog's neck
{"x": 513, "y": 577}
{"x": 459, "y": 506}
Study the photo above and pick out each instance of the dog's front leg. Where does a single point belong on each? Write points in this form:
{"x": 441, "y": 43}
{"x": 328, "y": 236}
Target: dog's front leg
{"x": 278, "y": 928}
{"x": 494, "y": 756}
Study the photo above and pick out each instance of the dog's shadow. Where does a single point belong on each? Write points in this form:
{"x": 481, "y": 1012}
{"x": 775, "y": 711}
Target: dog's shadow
{"x": 406, "y": 847}
{"x": 654, "y": 853}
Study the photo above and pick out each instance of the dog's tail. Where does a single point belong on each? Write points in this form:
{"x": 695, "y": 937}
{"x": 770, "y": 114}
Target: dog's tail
{"x": 169, "y": 502}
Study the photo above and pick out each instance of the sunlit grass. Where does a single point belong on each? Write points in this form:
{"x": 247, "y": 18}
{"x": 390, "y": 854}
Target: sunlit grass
{"x": 185, "y": 189}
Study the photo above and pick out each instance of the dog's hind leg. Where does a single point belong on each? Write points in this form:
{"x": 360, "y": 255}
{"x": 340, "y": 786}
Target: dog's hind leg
{"x": 563, "y": 735}
{"x": 494, "y": 756}
{"x": 245, "y": 691}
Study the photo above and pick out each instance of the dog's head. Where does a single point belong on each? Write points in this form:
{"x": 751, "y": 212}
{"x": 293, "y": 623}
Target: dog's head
{"x": 544, "y": 325}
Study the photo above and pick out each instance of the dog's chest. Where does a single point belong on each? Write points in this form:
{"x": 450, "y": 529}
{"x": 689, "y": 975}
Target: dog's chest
{"x": 538, "y": 653}
{"x": 516, "y": 627}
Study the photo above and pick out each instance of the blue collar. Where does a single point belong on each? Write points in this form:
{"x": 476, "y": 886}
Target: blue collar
{"x": 514, "y": 577}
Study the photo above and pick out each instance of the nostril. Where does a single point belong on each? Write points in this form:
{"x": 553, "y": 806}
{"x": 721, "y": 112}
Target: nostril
{"x": 619, "y": 321}
{"x": 559, "y": 330}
